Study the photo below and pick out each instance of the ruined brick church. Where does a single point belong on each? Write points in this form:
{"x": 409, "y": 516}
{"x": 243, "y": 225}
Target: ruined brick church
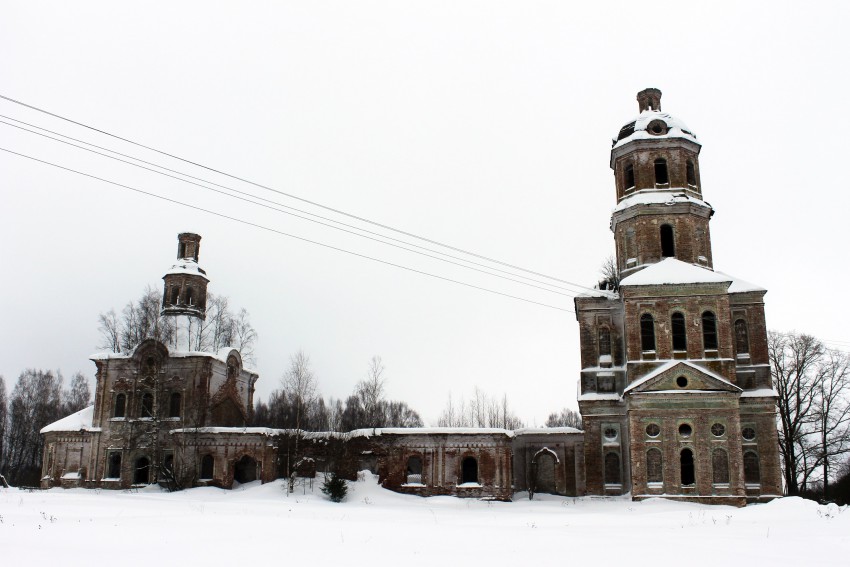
{"x": 675, "y": 389}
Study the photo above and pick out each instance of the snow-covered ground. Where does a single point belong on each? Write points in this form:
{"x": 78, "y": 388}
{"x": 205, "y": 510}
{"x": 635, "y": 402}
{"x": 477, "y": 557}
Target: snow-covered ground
{"x": 209, "y": 526}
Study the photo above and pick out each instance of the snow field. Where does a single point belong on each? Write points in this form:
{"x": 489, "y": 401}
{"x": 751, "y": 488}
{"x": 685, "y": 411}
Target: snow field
{"x": 373, "y": 526}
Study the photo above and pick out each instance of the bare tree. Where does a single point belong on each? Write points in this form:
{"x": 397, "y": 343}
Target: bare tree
{"x": 78, "y": 396}
{"x": 110, "y": 331}
{"x": 831, "y": 412}
{"x": 482, "y": 411}
{"x": 793, "y": 361}
{"x": 564, "y": 418}
{"x": 610, "y": 274}
{"x": 299, "y": 385}
{"x": 371, "y": 391}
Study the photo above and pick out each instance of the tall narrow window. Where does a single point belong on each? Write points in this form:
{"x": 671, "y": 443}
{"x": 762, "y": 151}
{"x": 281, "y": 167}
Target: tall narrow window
{"x": 654, "y": 468}
{"x": 677, "y": 324}
{"x": 668, "y": 246}
{"x": 604, "y": 341}
{"x": 647, "y": 333}
{"x": 174, "y": 405}
{"x": 629, "y": 176}
{"x": 709, "y": 331}
{"x": 720, "y": 466}
{"x": 182, "y": 250}
{"x": 147, "y": 405}
{"x": 207, "y": 463}
{"x": 752, "y": 474}
{"x": 691, "y": 173}
{"x": 114, "y": 465}
{"x": 175, "y": 295}
{"x": 469, "y": 470}
{"x": 661, "y": 177}
{"x": 190, "y": 300}
{"x": 120, "y": 405}
{"x": 686, "y": 464}
{"x": 612, "y": 468}
{"x": 742, "y": 338}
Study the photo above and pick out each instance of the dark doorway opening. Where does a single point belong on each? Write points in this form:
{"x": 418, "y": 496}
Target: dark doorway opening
{"x": 143, "y": 471}
{"x": 245, "y": 470}
{"x": 469, "y": 470}
{"x": 687, "y": 466}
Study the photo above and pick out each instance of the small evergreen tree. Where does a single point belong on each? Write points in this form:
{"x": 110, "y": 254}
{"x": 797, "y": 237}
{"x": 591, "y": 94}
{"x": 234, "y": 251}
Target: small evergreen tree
{"x": 334, "y": 486}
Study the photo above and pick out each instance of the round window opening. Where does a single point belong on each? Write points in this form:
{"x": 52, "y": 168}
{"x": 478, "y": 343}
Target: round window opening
{"x": 610, "y": 433}
{"x": 653, "y": 430}
{"x": 657, "y": 127}
{"x": 748, "y": 433}
{"x": 718, "y": 429}
{"x": 685, "y": 430}
{"x": 681, "y": 381}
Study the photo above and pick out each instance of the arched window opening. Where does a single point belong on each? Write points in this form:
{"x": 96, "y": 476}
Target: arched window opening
{"x": 691, "y": 174}
{"x": 414, "y": 470}
{"x": 207, "y": 464}
{"x": 709, "y": 331}
{"x": 752, "y": 473}
{"x": 114, "y": 465}
{"x": 742, "y": 337}
{"x": 686, "y": 464}
{"x": 175, "y": 294}
{"x": 604, "y": 341}
{"x": 647, "y": 333}
{"x": 142, "y": 474}
{"x": 245, "y": 470}
{"x": 654, "y": 468}
{"x": 147, "y": 405}
{"x": 168, "y": 464}
{"x": 629, "y": 176}
{"x": 661, "y": 177}
{"x": 668, "y": 244}
{"x": 677, "y": 324}
{"x": 720, "y": 466}
{"x": 182, "y": 250}
{"x": 612, "y": 468}
{"x": 120, "y": 405}
{"x": 469, "y": 471}
{"x": 174, "y": 404}
{"x": 190, "y": 299}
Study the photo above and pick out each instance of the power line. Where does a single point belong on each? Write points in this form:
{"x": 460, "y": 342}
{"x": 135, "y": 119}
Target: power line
{"x": 279, "y": 232}
{"x": 292, "y": 196}
{"x": 572, "y": 294}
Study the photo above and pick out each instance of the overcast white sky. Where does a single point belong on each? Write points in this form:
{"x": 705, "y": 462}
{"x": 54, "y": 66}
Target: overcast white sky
{"x": 486, "y": 125}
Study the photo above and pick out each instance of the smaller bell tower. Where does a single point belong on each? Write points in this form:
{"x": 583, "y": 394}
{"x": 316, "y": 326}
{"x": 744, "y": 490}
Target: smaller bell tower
{"x": 184, "y": 297}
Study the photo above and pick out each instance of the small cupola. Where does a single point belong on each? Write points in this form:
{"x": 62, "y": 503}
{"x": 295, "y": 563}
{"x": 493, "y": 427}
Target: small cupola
{"x": 649, "y": 99}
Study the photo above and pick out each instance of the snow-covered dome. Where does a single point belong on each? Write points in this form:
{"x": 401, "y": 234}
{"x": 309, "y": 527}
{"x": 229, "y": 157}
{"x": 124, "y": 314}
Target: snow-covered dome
{"x": 652, "y": 123}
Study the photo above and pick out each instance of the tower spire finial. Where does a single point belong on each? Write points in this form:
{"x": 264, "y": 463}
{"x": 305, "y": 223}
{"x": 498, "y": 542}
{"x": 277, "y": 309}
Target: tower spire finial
{"x": 649, "y": 99}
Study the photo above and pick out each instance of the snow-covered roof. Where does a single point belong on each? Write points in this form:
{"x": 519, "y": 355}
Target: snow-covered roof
{"x": 187, "y": 266}
{"x": 670, "y": 364}
{"x": 741, "y": 286}
{"x": 546, "y": 430}
{"x": 653, "y": 197}
{"x": 220, "y": 355}
{"x": 673, "y": 271}
{"x": 760, "y": 393}
{"x": 80, "y": 421}
{"x": 675, "y": 128}
{"x": 599, "y": 397}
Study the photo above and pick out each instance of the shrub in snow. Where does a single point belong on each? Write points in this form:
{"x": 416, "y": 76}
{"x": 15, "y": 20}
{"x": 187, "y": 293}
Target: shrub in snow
{"x": 334, "y": 487}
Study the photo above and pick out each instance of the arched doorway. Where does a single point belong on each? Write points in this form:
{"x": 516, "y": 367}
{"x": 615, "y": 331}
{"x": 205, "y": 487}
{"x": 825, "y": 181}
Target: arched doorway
{"x": 245, "y": 470}
{"x": 543, "y": 466}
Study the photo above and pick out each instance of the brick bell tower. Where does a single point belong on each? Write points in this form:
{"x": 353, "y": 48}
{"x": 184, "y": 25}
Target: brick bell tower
{"x": 675, "y": 390}
{"x": 184, "y": 297}
{"x": 660, "y": 212}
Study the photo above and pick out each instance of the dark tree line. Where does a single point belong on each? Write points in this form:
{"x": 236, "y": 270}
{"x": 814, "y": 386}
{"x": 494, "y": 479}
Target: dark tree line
{"x": 297, "y": 405}
{"x": 37, "y": 400}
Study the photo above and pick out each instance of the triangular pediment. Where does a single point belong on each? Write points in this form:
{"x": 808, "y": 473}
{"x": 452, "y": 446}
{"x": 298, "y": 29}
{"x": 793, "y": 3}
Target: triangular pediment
{"x": 681, "y": 377}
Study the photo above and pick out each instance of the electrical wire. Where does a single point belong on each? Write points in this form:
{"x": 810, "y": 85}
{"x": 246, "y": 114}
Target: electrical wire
{"x": 279, "y": 232}
{"x": 292, "y": 196}
{"x": 572, "y": 294}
